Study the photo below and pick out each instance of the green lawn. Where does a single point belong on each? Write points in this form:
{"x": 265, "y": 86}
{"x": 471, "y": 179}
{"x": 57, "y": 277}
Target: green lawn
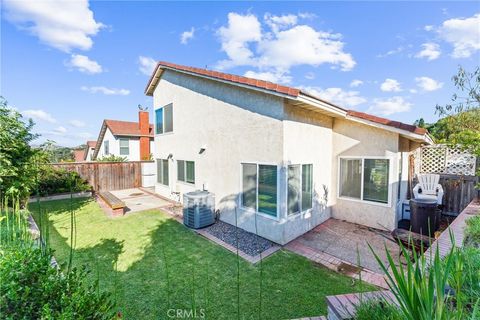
{"x": 152, "y": 263}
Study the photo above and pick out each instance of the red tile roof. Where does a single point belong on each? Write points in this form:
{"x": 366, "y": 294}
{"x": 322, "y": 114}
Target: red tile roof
{"x": 277, "y": 88}
{"x": 387, "y": 122}
{"x": 91, "y": 144}
{"x": 79, "y": 155}
{"x": 261, "y": 84}
{"x": 126, "y": 128}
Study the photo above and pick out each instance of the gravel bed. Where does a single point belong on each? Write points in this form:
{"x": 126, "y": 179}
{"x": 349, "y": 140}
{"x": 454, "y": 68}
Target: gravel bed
{"x": 248, "y": 242}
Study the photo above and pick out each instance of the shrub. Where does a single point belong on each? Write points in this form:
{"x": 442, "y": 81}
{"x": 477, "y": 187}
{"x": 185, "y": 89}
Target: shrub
{"x": 55, "y": 181}
{"x": 32, "y": 289}
{"x": 377, "y": 310}
{"x": 472, "y": 232}
{"x": 112, "y": 158}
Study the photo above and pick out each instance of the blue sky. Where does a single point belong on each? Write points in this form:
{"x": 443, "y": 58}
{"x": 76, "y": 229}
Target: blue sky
{"x": 71, "y": 65}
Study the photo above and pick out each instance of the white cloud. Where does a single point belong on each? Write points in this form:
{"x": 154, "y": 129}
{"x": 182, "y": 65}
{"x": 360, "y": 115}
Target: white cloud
{"x": 428, "y": 28}
{"x": 84, "y": 64}
{"x": 389, "y": 106}
{"x": 277, "y": 77}
{"x": 338, "y": 96}
{"x": 462, "y": 34}
{"x": 277, "y": 23}
{"x": 285, "y": 45}
{"x": 106, "y": 91}
{"x": 390, "y": 85}
{"x": 77, "y": 123}
{"x": 60, "y": 129}
{"x": 187, "y": 36}
{"x": 147, "y": 65}
{"x": 356, "y": 83}
{"x": 310, "y": 75}
{"x": 64, "y": 25}
{"x": 428, "y": 84}
{"x": 39, "y": 115}
{"x": 430, "y": 50}
{"x": 235, "y": 39}
{"x": 390, "y": 52}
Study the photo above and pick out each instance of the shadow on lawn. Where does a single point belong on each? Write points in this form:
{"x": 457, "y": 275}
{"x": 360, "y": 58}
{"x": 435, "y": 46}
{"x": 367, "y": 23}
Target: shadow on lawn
{"x": 180, "y": 270}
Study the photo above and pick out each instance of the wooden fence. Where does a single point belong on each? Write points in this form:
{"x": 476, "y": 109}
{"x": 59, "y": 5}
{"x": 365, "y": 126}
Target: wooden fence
{"x": 457, "y": 174}
{"x": 105, "y": 176}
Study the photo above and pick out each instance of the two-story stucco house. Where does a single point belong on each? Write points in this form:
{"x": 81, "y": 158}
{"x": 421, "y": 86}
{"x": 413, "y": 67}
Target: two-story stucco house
{"x": 279, "y": 160}
{"x": 132, "y": 140}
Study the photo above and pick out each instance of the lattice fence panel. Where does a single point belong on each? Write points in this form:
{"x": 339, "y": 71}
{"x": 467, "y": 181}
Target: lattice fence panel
{"x": 442, "y": 159}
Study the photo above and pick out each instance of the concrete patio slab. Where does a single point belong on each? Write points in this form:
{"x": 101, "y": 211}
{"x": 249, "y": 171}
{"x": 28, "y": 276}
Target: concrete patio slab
{"x": 349, "y": 242}
{"x": 139, "y": 200}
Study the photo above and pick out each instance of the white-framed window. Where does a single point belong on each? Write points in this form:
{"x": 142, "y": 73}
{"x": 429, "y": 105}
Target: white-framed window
{"x": 364, "y": 179}
{"x": 299, "y": 188}
{"x": 186, "y": 171}
{"x": 106, "y": 147}
{"x": 260, "y": 188}
{"x": 124, "y": 146}
{"x": 164, "y": 119}
{"x": 162, "y": 171}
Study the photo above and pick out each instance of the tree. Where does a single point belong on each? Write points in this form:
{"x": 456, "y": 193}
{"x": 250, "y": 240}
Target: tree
{"x": 18, "y": 159}
{"x": 460, "y": 124}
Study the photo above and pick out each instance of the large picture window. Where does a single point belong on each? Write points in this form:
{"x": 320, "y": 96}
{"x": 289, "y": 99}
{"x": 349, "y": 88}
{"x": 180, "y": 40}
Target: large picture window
{"x": 186, "y": 171}
{"x": 259, "y": 190}
{"x": 162, "y": 171}
{"x": 124, "y": 147}
{"x": 364, "y": 179}
{"x": 300, "y": 188}
{"x": 164, "y": 119}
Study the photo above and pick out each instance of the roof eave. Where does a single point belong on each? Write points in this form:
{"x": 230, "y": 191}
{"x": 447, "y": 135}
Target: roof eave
{"x": 422, "y": 138}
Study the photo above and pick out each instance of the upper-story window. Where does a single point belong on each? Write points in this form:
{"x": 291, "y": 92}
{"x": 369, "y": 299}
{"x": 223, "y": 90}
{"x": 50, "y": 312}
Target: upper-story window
{"x": 106, "y": 147}
{"x": 164, "y": 119}
{"x": 124, "y": 147}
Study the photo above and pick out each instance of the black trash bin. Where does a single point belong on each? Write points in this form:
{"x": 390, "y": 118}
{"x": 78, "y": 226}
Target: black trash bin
{"x": 424, "y": 216}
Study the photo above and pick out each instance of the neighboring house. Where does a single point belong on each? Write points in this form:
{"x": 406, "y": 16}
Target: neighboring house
{"x": 132, "y": 140}
{"x": 78, "y": 155}
{"x": 279, "y": 160}
{"x": 89, "y": 150}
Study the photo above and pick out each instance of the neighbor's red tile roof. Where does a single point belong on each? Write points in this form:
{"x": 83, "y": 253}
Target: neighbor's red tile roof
{"x": 290, "y": 91}
{"x": 91, "y": 144}
{"x": 126, "y": 128}
{"x": 387, "y": 122}
{"x": 79, "y": 155}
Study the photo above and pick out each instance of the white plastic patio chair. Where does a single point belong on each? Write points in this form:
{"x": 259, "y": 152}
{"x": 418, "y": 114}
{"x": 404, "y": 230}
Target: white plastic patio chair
{"x": 428, "y": 188}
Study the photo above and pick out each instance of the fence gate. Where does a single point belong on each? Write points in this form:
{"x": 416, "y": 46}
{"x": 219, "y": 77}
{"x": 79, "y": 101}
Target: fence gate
{"x": 457, "y": 170}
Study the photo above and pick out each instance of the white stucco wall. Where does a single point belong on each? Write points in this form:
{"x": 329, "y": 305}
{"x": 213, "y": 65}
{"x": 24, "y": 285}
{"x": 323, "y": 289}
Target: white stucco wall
{"x": 354, "y": 139}
{"x": 238, "y": 125}
{"x": 114, "y": 146}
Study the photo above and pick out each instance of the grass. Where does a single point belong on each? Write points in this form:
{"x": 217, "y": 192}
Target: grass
{"x": 472, "y": 232}
{"x": 151, "y": 263}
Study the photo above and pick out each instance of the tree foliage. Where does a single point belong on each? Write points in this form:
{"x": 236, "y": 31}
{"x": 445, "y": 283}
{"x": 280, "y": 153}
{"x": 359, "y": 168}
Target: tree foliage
{"x": 18, "y": 159}
{"x": 460, "y": 122}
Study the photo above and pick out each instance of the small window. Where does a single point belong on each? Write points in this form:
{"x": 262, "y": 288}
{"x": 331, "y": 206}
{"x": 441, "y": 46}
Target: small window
{"x": 124, "y": 147}
{"x": 106, "y": 147}
{"x": 164, "y": 119}
{"x": 186, "y": 171}
{"x": 365, "y": 179}
{"x": 300, "y": 193}
{"x": 249, "y": 179}
{"x": 351, "y": 178}
{"x": 267, "y": 189}
{"x": 162, "y": 171}
{"x": 375, "y": 180}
